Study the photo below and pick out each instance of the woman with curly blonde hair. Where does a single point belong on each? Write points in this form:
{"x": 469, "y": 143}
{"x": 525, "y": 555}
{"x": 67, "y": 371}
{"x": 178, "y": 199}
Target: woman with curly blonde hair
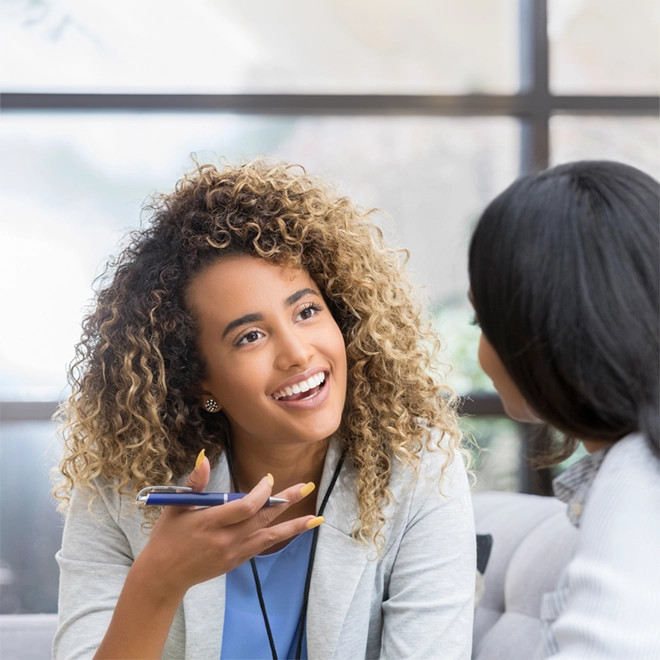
{"x": 258, "y": 337}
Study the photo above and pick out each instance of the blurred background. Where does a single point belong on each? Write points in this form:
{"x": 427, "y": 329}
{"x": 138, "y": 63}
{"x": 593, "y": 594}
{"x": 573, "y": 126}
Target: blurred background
{"x": 424, "y": 109}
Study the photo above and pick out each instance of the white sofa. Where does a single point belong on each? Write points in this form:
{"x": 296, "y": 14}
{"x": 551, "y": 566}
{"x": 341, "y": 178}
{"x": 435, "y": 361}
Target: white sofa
{"x": 27, "y": 636}
{"x": 532, "y": 541}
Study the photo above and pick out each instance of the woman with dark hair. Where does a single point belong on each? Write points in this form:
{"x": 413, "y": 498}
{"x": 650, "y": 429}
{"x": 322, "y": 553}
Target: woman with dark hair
{"x": 564, "y": 272}
{"x": 258, "y": 333}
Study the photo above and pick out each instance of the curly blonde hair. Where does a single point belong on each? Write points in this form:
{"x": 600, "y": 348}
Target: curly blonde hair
{"x": 133, "y": 417}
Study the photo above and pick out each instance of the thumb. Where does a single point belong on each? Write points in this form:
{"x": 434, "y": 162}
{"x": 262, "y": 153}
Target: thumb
{"x": 199, "y": 477}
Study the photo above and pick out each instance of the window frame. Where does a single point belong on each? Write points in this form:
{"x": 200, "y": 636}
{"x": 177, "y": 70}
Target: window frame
{"x": 533, "y": 106}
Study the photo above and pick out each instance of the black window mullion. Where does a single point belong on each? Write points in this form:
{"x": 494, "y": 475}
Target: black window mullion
{"x": 535, "y": 82}
{"x": 533, "y": 105}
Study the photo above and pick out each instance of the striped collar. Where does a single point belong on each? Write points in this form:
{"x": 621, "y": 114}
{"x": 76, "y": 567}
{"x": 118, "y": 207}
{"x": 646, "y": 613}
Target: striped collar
{"x": 573, "y": 485}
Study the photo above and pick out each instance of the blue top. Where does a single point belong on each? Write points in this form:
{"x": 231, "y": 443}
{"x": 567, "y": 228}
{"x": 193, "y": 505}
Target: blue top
{"x": 282, "y": 576}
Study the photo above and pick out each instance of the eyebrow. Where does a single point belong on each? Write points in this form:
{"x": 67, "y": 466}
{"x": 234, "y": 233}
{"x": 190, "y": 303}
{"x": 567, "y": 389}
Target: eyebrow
{"x": 243, "y": 320}
{"x": 295, "y": 297}
{"x": 251, "y": 318}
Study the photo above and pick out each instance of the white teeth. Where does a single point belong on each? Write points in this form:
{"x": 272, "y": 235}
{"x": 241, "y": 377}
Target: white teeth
{"x": 304, "y": 386}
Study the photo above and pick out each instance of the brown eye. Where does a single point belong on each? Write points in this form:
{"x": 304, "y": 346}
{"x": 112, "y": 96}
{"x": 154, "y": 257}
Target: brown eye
{"x": 308, "y": 311}
{"x": 249, "y": 337}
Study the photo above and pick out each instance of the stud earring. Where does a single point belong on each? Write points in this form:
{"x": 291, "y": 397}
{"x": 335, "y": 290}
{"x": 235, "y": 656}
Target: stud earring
{"x": 211, "y": 405}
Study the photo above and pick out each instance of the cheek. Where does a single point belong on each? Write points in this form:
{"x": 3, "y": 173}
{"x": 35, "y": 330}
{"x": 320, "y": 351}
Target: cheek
{"x": 514, "y": 402}
{"x": 494, "y": 369}
{"x": 484, "y": 356}
{"x": 231, "y": 379}
{"x": 340, "y": 346}
{"x": 332, "y": 340}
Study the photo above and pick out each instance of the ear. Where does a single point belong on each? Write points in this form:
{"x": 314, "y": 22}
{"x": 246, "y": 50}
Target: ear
{"x": 211, "y": 405}
{"x": 208, "y": 402}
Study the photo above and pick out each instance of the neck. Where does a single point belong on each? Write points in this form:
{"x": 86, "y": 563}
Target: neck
{"x": 594, "y": 445}
{"x": 289, "y": 464}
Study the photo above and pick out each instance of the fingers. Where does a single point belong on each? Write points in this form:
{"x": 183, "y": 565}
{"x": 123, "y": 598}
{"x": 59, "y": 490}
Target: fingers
{"x": 252, "y": 508}
{"x": 197, "y": 544}
{"x": 263, "y": 534}
{"x": 199, "y": 477}
{"x": 197, "y": 480}
{"x": 266, "y": 537}
{"x": 250, "y": 511}
{"x": 296, "y": 493}
{"x": 248, "y": 507}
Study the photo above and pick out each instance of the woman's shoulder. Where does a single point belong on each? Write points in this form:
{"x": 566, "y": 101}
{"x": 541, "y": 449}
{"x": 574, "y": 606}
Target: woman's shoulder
{"x": 612, "y": 578}
{"x": 432, "y": 493}
{"x": 628, "y": 471}
{"x": 439, "y": 467}
{"x": 623, "y": 505}
{"x": 105, "y": 500}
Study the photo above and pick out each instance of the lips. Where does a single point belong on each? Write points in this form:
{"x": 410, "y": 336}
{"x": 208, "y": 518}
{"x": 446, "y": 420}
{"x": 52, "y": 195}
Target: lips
{"x": 304, "y": 389}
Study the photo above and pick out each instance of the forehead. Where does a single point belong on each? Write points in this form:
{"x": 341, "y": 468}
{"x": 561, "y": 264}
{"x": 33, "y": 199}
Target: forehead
{"x": 243, "y": 283}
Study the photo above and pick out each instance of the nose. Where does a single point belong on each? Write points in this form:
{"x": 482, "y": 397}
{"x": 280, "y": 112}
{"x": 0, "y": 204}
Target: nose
{"x": 293, "y": 350}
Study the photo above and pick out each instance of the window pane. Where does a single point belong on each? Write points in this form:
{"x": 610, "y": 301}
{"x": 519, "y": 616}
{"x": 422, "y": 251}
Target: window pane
{"x": 632, "y": 140}
{"x": 297, "y": 46}
{"x": 31, "y": 526}
{"x": 604, "y": 46}
{"x": 72, "y": 184}
{"x": 499, "y": 461}
{"x": 454, "y": 322}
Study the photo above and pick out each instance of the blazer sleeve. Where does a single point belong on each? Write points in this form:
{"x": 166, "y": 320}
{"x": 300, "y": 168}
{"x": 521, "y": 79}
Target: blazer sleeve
{"x": 94, "y": 560}
{"x": 429, "y": 606}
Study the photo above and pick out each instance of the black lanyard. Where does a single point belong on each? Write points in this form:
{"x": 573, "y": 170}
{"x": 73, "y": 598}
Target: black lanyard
{"x": 310, "y": 565}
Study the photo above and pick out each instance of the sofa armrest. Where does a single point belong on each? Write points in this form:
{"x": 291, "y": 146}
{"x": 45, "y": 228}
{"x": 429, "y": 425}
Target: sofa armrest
{"x": 532, "y": 543}
{"x": 27, "y": 636}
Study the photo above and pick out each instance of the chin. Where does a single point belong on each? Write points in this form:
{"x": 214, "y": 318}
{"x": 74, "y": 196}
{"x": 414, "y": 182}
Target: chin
{"x": 317, "y": 434}
{"x": 520, "y": 411}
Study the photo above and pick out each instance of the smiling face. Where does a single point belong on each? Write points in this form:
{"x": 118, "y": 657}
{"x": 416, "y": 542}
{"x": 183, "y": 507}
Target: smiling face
{"x": 275, "y": 357}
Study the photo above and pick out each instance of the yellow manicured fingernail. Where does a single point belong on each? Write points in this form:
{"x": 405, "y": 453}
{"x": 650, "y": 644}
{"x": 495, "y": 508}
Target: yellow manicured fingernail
{"x": 271, "y": 481}
{"x": 200, "y": 459}
{"x": 315, "y": 522}
{"x": 307, "y": 489}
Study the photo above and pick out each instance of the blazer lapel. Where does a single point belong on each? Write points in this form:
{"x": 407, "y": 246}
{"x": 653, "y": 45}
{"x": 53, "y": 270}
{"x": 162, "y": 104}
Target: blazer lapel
{"x": 339, "y": 562}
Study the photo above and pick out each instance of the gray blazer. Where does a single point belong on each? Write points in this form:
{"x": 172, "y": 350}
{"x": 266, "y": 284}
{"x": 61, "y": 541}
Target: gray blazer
{"x": 413, "y": 600}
